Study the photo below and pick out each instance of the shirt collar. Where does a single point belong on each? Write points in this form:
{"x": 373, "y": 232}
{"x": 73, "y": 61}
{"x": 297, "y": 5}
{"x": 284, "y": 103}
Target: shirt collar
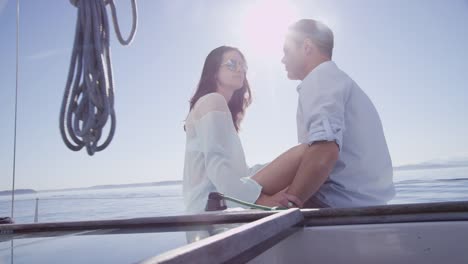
{"x": 314, "y": 71}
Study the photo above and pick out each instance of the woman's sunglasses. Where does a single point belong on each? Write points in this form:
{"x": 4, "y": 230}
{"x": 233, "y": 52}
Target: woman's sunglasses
{"x": 233, "y": 65}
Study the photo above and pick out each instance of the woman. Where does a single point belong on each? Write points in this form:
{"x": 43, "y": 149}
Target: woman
{"x": 214, "y": 158}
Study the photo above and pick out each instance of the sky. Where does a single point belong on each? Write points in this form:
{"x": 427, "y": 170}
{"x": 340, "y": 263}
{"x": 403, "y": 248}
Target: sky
{"x": 409, "y": 56}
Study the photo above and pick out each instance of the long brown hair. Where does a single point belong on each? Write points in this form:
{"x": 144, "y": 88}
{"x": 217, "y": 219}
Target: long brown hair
{"x": 240, "y": 99}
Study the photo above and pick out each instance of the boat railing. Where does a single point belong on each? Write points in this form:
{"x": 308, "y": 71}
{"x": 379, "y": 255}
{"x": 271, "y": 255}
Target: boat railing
{"x": 260, "y": 230}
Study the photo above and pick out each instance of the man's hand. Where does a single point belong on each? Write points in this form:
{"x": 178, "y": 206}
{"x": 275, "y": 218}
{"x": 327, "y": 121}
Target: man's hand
{"x": 282, "y": 199}
{"x": 278, "y": 199}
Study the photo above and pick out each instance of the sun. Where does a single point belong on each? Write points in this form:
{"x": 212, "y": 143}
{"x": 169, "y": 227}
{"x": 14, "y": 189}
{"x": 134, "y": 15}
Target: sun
{"x": 264, "y": 25}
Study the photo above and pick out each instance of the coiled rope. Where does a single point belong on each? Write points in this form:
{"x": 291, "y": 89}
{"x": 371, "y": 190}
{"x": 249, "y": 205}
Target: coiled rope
{"x": 88, "y": 100}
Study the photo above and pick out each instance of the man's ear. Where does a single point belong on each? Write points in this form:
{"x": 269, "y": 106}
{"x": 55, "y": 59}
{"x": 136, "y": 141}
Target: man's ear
{"x": 309, "y": 46}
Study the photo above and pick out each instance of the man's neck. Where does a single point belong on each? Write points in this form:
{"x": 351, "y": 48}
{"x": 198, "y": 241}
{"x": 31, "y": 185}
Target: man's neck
{"x": 312, "y": 65}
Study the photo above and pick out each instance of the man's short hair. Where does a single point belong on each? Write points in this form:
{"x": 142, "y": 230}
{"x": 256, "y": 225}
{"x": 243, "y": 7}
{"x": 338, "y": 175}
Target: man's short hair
{"x": 319, "y": 33}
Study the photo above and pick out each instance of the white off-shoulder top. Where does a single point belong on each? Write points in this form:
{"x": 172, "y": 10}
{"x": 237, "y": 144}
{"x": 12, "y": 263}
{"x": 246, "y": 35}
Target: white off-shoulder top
{"x": 214, "y": 157}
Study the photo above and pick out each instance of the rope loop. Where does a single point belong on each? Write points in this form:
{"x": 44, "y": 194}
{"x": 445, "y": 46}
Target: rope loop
{"x": 88, "y": 101}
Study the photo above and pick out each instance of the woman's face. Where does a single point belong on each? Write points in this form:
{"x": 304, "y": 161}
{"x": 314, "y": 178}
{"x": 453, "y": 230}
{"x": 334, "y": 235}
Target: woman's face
{"x": 231, "y": 73}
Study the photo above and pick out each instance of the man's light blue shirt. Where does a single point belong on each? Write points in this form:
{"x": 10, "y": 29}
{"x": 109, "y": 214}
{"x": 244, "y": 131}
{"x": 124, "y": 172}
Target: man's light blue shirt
{"x": 332, "y": 107}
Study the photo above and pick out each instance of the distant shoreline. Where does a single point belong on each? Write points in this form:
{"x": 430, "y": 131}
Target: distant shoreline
{"x": 165, "y": 183}
{"x": 18, "y": 191}
{"x": 96, "y": 187}
{"x": 428, "y": 166}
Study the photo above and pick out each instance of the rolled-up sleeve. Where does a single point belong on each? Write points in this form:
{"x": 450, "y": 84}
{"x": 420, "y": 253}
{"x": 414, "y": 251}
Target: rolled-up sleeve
{"x": 322, "y": 102}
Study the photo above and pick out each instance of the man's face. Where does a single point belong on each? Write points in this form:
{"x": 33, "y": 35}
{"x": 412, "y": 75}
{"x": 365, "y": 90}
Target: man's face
{"x": 293, "y": 58}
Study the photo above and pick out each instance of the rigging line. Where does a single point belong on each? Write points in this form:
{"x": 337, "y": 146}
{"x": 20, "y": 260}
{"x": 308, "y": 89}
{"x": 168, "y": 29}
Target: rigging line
{"x": 16, "y": 112}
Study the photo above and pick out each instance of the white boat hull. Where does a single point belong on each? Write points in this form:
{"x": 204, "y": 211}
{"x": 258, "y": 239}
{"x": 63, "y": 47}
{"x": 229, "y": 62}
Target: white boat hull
{"x": 426, "y": 242}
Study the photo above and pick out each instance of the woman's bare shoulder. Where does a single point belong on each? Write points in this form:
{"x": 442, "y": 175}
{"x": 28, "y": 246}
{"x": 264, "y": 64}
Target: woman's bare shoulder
{"x": 212, "y": 102}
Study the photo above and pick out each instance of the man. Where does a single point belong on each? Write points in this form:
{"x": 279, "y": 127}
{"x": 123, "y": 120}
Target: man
{"x": 347, "y": 162}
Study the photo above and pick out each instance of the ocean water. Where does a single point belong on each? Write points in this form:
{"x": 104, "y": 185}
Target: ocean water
{"x": 431, "y": 185}
{"x": 81, "y": 205}
{"x": 412, "y": 186}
